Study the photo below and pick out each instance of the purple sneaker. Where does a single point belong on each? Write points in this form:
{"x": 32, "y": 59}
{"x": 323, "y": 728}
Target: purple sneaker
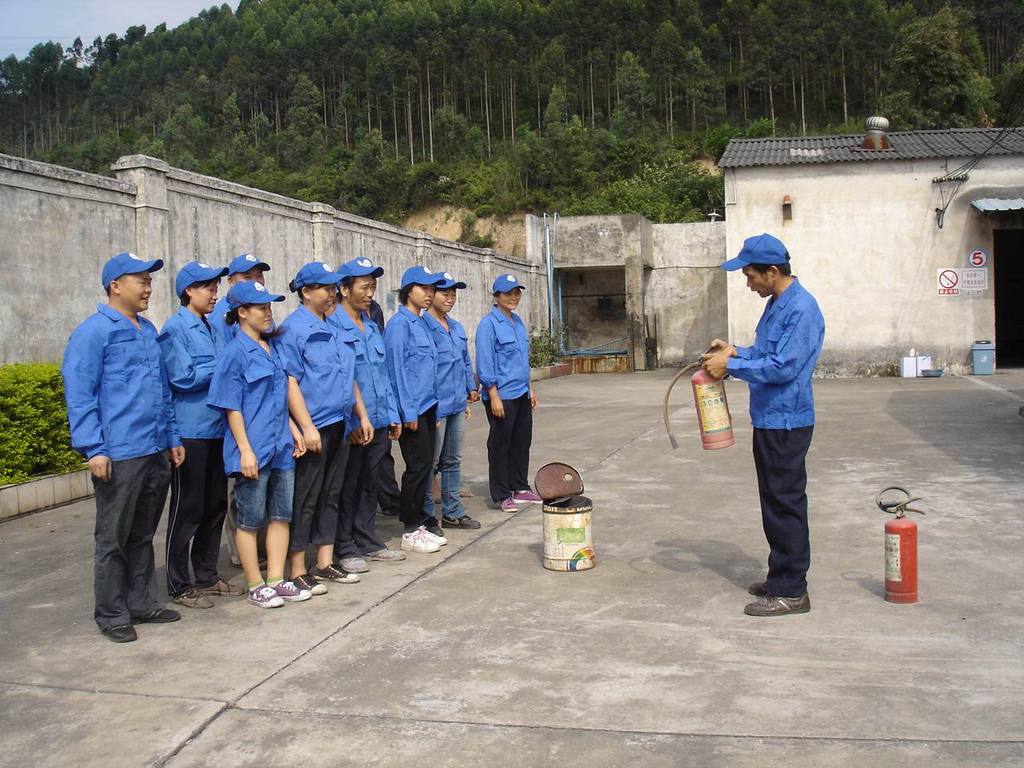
{"x": 290, "y": 593}
{"x": 526, "y": 497}
{"x": 265, "y": 597}
{"x": 509, "y": 505}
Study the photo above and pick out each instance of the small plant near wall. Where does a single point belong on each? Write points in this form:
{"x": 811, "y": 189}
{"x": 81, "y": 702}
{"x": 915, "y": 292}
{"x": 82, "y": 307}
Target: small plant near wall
{"x": 545, "y": 347}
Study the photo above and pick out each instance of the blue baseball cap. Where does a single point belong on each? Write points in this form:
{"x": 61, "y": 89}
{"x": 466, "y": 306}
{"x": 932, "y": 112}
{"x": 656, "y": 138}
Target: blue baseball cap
{"x": 449, "y": 283}
{"x": 361, "y": 267}
{"x": 127, "y": 264}
{"x": 759, "y": 249}
{"x": 506, "y": 283}
{"x": 316, "y": 273}
{"x": 420, "y": 276}
{"x": 246, "y": 261}
{"x": 196, "y": 272}
{"x": 250, "y": 292}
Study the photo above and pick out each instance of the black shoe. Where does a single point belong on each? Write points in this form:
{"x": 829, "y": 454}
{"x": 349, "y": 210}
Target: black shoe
{"x": 460, "y": 522}
{"x": 157, "y": 616}
{"x": 122, "y": 634}
{"x": 434, "y": 528}
{"x": 758, "y": 589}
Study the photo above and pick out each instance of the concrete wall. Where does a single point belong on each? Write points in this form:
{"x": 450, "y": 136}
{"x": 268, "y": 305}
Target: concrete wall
{"x": 864, "y": 240}
{"x": 675, "y": 294}
{"x": 60, "y": 226}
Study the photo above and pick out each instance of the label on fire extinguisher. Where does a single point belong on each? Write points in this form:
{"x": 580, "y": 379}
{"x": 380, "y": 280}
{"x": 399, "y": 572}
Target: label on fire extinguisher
{"x": 714, "y": 415}
{"x": 892, "y": 557}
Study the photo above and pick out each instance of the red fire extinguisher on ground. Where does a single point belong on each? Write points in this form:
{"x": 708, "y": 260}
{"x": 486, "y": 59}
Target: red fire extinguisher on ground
{"x": 709, "y": 399}
{"x": 900, "y": 546}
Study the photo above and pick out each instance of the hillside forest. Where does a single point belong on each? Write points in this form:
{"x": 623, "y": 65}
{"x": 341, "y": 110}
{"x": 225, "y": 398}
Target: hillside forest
{"x": 383, "y": 107}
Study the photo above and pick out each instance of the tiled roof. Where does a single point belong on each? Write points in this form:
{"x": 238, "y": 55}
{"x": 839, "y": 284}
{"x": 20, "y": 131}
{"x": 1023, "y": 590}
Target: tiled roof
{"x": 906, "y": 145}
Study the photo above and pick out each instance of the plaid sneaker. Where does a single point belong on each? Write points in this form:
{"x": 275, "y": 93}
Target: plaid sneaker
{"x": 290, "y": 593}
{"x": 265, "y": 597}
{"x": 335, "y": 574}
{"x": 309, "y": 581}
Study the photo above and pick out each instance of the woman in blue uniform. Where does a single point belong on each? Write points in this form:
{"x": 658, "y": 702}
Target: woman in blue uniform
{"x": 250, "y": 387}
{"x": 503, "y": 365}
{"x": 456, "y": 386}
{"x": 320, "y": 359}
{"x": 199, "y": 491}
{"x": 357, "y": 540}
{"x": 412, "y": 362}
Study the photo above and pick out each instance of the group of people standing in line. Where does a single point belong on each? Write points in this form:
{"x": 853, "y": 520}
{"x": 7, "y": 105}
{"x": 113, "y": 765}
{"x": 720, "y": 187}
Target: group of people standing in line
{"x": 300, "y": 415}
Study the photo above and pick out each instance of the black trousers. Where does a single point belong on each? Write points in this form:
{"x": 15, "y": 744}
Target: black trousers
{"x": 779, "y": 458}
{"x": 199, "y": 502}
{"x": 508, "y": 447}
{"x": 418, "y": 452}
{"x": 357, "y": 527}
{"x": 318, "y": 481}
{"x": 388, "y": 492}
{"x": 128, "y": 509}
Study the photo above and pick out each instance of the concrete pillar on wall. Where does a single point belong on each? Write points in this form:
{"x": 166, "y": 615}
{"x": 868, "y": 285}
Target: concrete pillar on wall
{"x": 424, "y": 243}
{"x": 324, "y": 246}
{"x": 149, "y": 175}
{"x": 637, "y": 264}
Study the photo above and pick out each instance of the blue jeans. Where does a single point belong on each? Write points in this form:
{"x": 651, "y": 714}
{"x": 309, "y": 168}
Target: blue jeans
{"x": 268, "y": 497}
{"x": 448, "y": 462}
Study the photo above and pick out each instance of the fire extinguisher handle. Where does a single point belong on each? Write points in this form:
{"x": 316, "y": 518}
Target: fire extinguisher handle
{"x": 898, "y": 507}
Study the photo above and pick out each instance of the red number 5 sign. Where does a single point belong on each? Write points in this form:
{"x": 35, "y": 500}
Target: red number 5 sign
{"x": 977, "y": 258}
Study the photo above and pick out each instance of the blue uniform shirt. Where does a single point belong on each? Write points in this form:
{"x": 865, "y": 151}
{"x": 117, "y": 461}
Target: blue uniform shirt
{"x": 115, "y": 386}
{"x": 322, "y": 363}
{"x": 371, "y": 368}
{"x": 412, "y": 361}
{"x": 190, "y": 348}
{"x": 503, "y": 355}
{"x": 454, "y": 369}
{"x": 779, "y": 365}
{"x": 255, "y": 384}
{"x": 226, "y": 332}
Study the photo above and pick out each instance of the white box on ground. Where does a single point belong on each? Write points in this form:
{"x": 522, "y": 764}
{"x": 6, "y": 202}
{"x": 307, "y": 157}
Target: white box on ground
{"x": 911, "y": 367}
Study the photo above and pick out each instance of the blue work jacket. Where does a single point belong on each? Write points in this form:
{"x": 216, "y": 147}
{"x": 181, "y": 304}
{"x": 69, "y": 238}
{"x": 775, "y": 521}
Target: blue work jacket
{"x": 226, "y": 332}
{"x": 371, "y": 368}
{"x": 412, "y": 363}
{"x": 115, "y": 386}
{"x": 255, "y": 384}
{"x": 323, "y": 361}
{"x": 454, "y": 380}
{"x": 503, "y": 355}
{"x": 778, "y": 367}
{"x": 190, "y": 348}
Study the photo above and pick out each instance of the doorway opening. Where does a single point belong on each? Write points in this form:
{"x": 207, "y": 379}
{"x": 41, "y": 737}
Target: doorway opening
{"x": 1008, "y": 282}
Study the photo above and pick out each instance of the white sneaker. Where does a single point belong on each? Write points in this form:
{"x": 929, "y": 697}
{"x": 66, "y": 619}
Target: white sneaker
{"x": 418, "y": 541}
{"x": 439, "y": 540}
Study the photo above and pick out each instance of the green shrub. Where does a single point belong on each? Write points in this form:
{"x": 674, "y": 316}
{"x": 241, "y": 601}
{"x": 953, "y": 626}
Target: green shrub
{"x": 545, "y": 348}
{"x": 34, "y": 436}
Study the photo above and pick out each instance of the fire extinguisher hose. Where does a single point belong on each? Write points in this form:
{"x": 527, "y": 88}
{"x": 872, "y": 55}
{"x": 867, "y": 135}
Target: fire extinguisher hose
{"x": 668, "y": 392}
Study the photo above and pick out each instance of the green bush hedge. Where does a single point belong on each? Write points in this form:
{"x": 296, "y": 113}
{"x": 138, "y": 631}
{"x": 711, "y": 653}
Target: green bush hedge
{"x": 34, "y": 436}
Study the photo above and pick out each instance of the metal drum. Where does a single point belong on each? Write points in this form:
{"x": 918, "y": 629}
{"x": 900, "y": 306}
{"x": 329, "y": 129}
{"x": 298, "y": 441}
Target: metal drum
{"x": 568, "y": 542}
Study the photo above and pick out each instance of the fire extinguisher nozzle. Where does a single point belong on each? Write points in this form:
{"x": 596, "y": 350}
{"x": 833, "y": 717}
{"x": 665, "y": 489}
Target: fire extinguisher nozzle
{"x": 672, "y": 439}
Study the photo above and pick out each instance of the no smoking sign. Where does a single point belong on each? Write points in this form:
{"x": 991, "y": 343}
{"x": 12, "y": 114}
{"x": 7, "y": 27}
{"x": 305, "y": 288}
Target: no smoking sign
{"x": 949, "y": 281}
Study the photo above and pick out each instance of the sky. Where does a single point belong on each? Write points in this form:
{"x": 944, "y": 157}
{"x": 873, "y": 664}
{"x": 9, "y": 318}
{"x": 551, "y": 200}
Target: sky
{"x": 24, "y": 23}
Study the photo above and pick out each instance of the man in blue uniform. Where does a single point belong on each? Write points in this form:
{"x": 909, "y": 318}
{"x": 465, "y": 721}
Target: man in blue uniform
{"x": 778, "y": 369}
{"x": 122, "y": 420}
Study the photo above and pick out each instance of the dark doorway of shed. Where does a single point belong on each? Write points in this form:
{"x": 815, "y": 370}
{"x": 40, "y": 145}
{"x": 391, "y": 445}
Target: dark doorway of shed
{"x": 1008, "y": 280}
{"x": 593, "y": 309}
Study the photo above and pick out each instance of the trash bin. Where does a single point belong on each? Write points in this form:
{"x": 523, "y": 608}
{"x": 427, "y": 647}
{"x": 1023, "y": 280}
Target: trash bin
{"x": 983, "y": 358}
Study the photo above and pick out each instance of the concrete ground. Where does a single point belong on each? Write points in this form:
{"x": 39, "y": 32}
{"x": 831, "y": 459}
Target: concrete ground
{"x": 479, "y": 656}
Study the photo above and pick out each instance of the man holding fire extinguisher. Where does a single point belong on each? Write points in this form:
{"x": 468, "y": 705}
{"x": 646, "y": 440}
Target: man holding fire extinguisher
{"x": 778, "y": 369}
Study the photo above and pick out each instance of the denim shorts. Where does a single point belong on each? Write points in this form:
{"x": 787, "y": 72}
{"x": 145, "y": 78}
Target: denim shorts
{"x": 267, "y": 498}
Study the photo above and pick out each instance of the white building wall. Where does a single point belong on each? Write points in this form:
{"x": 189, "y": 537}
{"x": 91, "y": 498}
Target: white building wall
{"x": 863, "y": 239}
